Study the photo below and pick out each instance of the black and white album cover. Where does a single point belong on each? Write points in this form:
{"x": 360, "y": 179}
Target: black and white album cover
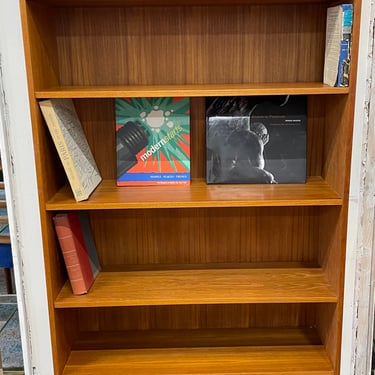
{"x": 256, "y": 139}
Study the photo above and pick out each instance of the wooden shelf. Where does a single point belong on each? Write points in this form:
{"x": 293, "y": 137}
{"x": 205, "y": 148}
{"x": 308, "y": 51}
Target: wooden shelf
{"x": 107, "y": 3}
{"x": 316, "y": 192}
{"x": 214, "y": 360}
{"x": 295, "y": 88}
{"x": 182, "y": 287}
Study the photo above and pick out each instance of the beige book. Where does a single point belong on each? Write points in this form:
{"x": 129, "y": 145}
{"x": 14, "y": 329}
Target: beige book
{"x": 72, "y": 146}
{"x": 337, "y": 47}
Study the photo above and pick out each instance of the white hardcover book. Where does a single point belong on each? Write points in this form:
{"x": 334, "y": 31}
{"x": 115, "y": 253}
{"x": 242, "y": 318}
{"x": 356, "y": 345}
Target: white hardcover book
{"x": 72, "y": 146}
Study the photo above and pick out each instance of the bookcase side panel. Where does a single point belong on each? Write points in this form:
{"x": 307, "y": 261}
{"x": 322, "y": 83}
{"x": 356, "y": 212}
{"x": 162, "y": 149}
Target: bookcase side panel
{"x": 337, "y": 143}
{"x": 328, "y": 325}
{"x": 332, "y": 239}
{"x": 66, "y": 333}
{"x": 42, "y": 70}
{"x": 336, "y": 170}
{"x": 40, "y": 44}
{"x": 339, "y": 122}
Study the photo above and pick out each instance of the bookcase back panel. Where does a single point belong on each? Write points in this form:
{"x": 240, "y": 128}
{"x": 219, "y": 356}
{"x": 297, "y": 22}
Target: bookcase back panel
{"x": 197, "y": 317}
{"x": 171, "y": 237}
{"x": 98, "y": 120}
{"x": 195, "y": 44}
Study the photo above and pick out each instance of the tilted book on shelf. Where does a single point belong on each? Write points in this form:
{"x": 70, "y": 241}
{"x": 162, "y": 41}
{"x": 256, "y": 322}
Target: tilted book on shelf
{"x": 72, "y": 146}
{"x": 256, "y": 139}
{"x": 338, "y": 45}
{"x": 78, "y": 248}
{"x": 153, "y": 141}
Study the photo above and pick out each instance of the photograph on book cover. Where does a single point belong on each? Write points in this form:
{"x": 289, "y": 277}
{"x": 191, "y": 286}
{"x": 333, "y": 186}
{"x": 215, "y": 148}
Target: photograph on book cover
{"x": 153, "y": 141}
{"x": 256, "y": 139}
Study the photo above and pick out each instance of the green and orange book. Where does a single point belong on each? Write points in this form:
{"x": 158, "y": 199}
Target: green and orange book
{"x": 153, "y": 141}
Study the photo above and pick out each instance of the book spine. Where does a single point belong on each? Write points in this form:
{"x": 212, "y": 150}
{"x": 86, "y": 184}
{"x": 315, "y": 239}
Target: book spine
{"x": 338, "y": 44}
{"x": 62, "y": 149}
{"x": 78, "y": 268}
{"x": 344, "y": 65}
{"x": 344, "y": 57}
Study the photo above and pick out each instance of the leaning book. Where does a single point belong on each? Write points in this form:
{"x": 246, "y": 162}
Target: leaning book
{"x": 78, "y": 248}
{"x": 153, "y": 141}
{"x": 72, "y": 146}
{"x": 338, "y": 45}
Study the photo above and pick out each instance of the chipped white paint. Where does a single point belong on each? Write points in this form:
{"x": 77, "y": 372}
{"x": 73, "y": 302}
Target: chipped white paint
{"x": 14, "y": 230}
{"x": 358, "y": 306}
{"x": 22, "y": 199}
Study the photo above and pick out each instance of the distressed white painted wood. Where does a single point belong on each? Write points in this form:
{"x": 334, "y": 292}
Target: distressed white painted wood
{"x": 22, "y": 198}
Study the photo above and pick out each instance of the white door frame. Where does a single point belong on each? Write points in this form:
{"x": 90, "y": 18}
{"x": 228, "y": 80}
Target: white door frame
{"x": 22, "y": 196}
{"x": 359, "y": 280}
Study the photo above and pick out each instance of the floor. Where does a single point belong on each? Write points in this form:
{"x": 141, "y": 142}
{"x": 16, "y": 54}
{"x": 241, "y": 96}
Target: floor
{"x": 10, "y": 339}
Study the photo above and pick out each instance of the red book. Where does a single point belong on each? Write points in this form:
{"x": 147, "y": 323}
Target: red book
{"x": 78, "y": 249}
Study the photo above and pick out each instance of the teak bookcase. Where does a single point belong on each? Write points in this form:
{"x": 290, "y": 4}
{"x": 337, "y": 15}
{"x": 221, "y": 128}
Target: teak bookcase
{"x": 236, "y": 279}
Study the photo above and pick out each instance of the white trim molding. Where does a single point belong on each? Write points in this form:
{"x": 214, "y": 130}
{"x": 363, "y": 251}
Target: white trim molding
{"x": 359, "y": 279}
{"x": 22, "y": 196}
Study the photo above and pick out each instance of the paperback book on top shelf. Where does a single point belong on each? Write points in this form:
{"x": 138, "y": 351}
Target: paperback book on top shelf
{"x": 72, "y": 146}
{"x": 78, "y": 248}
{"x": 338, "y": 44}
{"x": 256, "y": 139}
{"x": 153, "y": 141}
